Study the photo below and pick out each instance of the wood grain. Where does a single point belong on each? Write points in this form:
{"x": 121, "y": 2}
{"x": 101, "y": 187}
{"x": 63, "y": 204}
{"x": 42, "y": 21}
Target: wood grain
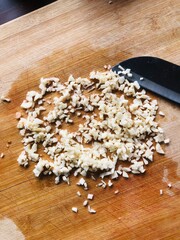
{"x": 76, "y": 37}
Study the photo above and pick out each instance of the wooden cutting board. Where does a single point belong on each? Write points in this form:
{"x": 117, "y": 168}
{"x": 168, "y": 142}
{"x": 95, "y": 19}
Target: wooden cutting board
{"x": 75, "y": 37}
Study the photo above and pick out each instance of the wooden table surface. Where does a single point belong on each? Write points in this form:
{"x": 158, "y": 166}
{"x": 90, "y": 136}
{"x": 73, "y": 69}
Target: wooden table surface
{"x": 76, "y": 37}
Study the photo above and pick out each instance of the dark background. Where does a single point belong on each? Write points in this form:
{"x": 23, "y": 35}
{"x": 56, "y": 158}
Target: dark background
{"x": 11, "y": 9}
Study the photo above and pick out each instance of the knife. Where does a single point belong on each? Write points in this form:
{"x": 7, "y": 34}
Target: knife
{"x": 155, "y": 74}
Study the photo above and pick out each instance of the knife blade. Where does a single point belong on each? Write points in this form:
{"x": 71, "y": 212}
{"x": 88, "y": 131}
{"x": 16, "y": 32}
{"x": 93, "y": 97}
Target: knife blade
{"x": 159, "y": 76}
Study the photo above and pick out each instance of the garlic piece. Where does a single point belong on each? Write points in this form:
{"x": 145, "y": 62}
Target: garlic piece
{"x": 85, "y": 203}
{"x": 90, "y": 196}
{"x": 5, "y": 99}
{"x": 161, "y": 113}
{"x": 91, "y": 210}
{"x": 159, "y": 149}
{"x": 75, "y": 209}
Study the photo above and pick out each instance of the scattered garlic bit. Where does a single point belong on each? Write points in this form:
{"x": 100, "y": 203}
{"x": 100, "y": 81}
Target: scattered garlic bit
{"x": 91, "y": 210}
{"x": 90, "y": 196}
{"x": 116, "y": 128}
{"x": 116, "y": 192}
{"x": 110, "y": 2}
{"x": 169, "y": 185}
{"x": 141, "y": 79}
{"x": 75, "y": 209}
{"x": 103, "y": 184}
{"x": 110, "y": 184}
{"x": 120, "y": 67}
{"x": 78, "y": 193}
{"x": 161, "y": 192}
{"x": 83, "y": 183}
{"x": 159, "y": 149}
{"x": 167, "y": 140}
{"x": 85, "y": 203}
{"x": 18, "y": 115}
{"x": 2, "y": 155}
{"x": 66, "y": 179}
{"x": 161, "y": 113}
{"x": 5, "y": 99}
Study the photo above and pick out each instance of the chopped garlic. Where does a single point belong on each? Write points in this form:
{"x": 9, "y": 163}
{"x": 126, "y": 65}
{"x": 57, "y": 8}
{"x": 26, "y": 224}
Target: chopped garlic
{"x": 91, "y": 210}
{"x": 57, "y": 180}
{"x": 110, "y": 183}
{"x": 81, "y": 182}
{"x": 169, "y": 185}
{"x": 66, "y": 179}
{"x": 116, "y": 192}
{"x": 93, "y": 178}
{"x": 125, "y": 175}
{"x": 159, "y": 149}
{"x": 90, "y": 196}
{"x": 114, "y": 175}
{"x": 161, "y": 192}
{"x": 103, "y": 184}
{"x": 99, "y": 184}
{"x": 161, "y": 113}
{"x": 2, "y": 155}
{"x": 167, "y": 140}
{"x": 23, "y": 159}
{"x": 115, "y": 128}
{"x": 75, "y": 209}
{"x": 26, "y": 104}
{"x": 78, "y": 193}
{"x": 5, "y": 99}
{"x": 85, "y": 203}
{"x": 18, "y": 115}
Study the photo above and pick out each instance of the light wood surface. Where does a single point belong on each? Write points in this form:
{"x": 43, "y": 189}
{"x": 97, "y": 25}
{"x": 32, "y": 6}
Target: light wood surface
{"x": 77, "y": 36}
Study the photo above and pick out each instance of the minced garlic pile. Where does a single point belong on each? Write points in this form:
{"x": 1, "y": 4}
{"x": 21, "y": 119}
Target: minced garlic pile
{"x": 118, "y": 125}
